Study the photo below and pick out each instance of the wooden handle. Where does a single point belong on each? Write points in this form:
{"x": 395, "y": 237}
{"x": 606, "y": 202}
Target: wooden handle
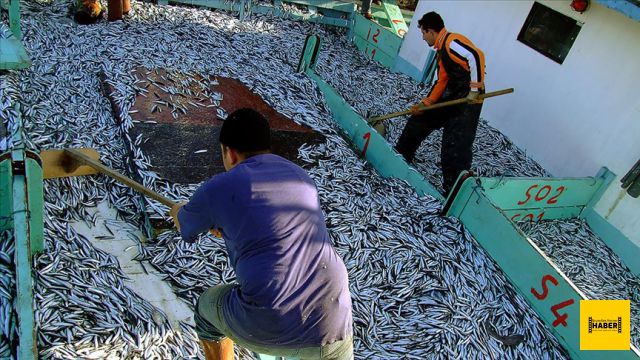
{"x": 440, "y": 105}
{"x": 84, "y": 159}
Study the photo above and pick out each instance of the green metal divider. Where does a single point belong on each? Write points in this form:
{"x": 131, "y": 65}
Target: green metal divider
{"x": 6, "y": 192}
{"x": 554, "y": 297}
{"x": 13, "y": 54}
{"x": 538, "y": 199}
{"x": 372, "y": 146}
{"x": 35, "y": 201}
{"x": 21, "y": 190}
{"x": 551, "y": 293}
{"x": 24, "y": 282}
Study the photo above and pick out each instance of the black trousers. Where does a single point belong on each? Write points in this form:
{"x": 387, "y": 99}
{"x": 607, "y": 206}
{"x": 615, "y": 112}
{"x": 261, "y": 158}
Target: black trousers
{"x": 459, "y": 124}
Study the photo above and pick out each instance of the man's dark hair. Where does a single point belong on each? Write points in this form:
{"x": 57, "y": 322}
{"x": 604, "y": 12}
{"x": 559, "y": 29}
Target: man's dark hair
{"x": 431, "y": 20}
{"x": 246, "y": 131}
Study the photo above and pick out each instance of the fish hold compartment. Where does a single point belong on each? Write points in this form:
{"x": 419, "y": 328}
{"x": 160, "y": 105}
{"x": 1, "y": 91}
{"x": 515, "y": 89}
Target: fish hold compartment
{"x": 177, "y": 118}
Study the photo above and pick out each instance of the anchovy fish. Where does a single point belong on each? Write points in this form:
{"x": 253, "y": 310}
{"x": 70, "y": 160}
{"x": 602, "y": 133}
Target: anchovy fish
{"x": 421, "y": 286}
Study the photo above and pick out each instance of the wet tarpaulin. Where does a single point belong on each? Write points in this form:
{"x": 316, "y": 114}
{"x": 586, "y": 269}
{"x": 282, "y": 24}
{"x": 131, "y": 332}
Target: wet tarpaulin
{"x": 177, "y": 119}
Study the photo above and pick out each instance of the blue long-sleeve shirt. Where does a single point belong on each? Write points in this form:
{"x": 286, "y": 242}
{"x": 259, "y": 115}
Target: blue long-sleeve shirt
{"x": 293, "y": 285}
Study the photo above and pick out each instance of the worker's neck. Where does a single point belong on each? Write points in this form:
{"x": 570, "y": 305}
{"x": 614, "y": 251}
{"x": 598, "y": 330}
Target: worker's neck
{"x": 240, "y": 157}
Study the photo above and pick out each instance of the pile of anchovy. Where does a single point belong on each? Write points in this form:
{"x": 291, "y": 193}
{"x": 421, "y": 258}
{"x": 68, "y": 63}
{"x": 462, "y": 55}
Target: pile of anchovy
{"x": 592, "y": 266}
{"x": 9, "y": 333}
{"x": 421, "y": 286}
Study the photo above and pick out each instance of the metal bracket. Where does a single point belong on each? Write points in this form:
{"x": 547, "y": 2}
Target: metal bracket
{"x": 631, "y": 181}
{"x": 456, "y": 188}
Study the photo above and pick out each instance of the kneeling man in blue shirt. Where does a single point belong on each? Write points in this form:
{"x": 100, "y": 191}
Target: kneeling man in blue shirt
{"x": 292, "y": 297}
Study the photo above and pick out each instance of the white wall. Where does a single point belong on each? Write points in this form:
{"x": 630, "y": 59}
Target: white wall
{"x": 574, "y": 117}
{"x": 414, "y": 50}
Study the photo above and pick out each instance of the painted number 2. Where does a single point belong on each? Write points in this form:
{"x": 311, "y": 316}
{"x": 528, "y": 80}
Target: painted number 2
{"x": 375, "y": 36}
{"x": 560, "y": 318}
{"x": 542, "y": 194}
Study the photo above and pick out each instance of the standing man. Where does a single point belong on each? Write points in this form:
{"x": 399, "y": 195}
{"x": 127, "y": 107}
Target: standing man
{"x": 292, "y": 297}
{"x": 460, "y": 74}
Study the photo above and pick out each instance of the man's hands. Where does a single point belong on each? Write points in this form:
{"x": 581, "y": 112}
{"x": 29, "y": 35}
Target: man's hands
{"x": 174, "y": 214}
{"x": 472, "y": 97}
{"x": 416, "y": 109}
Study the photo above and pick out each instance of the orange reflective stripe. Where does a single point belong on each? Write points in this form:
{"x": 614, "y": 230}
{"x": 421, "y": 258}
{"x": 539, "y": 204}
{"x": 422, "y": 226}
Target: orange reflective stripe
{"x": 438, "y": 89}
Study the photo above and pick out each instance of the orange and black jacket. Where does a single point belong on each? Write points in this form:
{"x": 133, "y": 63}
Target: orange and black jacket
{"x": 460, "y": 68}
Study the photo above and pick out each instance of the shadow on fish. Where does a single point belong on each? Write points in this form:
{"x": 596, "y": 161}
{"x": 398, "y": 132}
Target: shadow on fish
{"x": 509, "y": 340}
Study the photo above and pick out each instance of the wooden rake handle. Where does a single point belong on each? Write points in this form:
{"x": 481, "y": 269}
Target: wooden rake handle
{"x": 440, "y": 105}
{"x": 84, "y": 159}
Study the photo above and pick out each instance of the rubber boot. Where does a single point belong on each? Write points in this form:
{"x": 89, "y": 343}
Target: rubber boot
{"x": 115, "y": 10}
{"x": 217, "y": 350}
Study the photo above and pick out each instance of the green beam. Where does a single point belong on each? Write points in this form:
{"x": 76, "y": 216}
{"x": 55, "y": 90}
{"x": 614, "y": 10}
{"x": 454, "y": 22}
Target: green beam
{"x": 310, "y": 51}
{"x": 528, "y": 269}
{"x": 6, "y": 192}
{"x": 14, "y": 18}
{"x": 373, "y": 146}
{"x": 370, "y": 144}
{"x": 35, "y": 198}
{"x": 24, "y": 283}
{"x": 367, "y": 141}
{"x": 13, "y": 55}
{"x": 14, "y": 190}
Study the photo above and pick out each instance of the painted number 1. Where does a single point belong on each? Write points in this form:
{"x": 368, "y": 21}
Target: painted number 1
{"x": 530, "y": 217}
{"x": 367, "y": 138}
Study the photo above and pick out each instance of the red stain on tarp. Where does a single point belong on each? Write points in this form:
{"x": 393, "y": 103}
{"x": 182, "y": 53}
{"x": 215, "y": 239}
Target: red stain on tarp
{"x": 154, "y": 105}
